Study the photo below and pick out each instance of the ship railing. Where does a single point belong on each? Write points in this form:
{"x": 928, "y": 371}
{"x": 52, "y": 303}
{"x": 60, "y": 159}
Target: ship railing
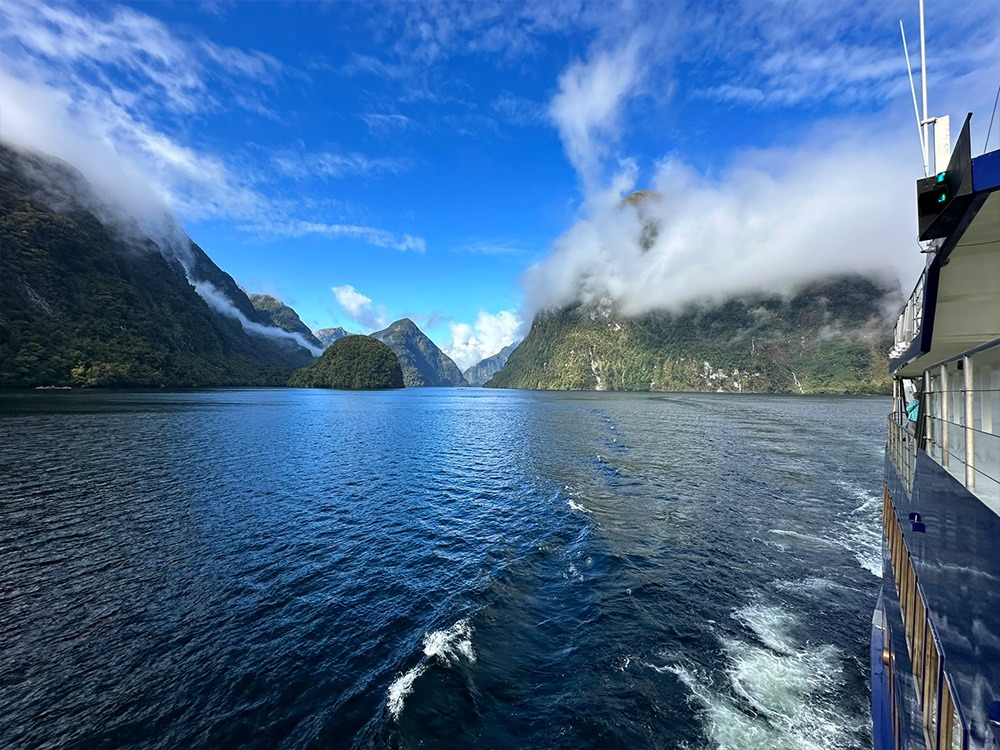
{"x": 902, "y": 449}
{"x": 908, "y": 324}
{"x": 944, "y": 724}
{"x": 962, "y": 413}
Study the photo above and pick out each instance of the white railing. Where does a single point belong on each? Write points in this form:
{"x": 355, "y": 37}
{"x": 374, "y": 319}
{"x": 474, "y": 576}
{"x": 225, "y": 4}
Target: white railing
{"x": 962, "y": 421}
{"x": 908, "y": 324}
{"x": 902, "y": 449}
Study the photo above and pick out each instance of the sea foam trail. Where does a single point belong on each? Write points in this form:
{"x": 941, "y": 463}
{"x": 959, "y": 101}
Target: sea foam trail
{"x": 778, "y": 696}
{"x": 863, "y": 528}
{"x": 450, "y": 647}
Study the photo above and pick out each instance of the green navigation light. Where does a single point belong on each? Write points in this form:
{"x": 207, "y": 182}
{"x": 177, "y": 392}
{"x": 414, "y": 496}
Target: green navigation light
{"x": 942, "y": 198}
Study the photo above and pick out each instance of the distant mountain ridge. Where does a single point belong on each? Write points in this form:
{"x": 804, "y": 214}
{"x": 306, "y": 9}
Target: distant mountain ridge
{"x": 327, "y": 336}
{"x": 830, "y": 337}
{"x": 88, "y": 299}
{"x": 423, "y": 363}
{"x": 486, "y": 368}
{"x": 277, "y": 313}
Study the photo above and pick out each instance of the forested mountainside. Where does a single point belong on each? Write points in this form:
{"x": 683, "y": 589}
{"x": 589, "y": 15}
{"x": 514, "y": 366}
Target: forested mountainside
{"x": 352, "y": 363}
{"x": 86, "y": 299}
{"x": 830, "y": 337}
{"x": 277, "y": 313}
{"x": 424, "y": 364}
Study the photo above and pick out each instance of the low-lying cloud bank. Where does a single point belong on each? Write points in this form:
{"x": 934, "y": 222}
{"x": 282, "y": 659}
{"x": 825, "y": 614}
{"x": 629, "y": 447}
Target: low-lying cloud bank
{"x": 775, "y": 219}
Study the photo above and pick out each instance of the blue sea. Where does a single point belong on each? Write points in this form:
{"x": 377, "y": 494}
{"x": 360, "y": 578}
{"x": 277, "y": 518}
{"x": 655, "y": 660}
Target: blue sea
{"x": 437, "y": 568}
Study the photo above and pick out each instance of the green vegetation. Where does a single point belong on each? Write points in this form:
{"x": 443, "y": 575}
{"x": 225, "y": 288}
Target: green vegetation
{"x": 831, "y": 337}
{"x": 352, "y": 363}
{"x": 277, "y": 313}
{"x": 85, "y": 303}
{"x": 422, "y": 362}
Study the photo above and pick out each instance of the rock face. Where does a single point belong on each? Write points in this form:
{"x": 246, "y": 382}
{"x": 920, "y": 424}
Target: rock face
{"x": 485, "y": 369}
{"x": 830, "y": 337}
{"x": 352, "y": 363}
{"x": 424, "y": 364}
{"x": 277, "y": 313}
{"x": 88, "y": 299}
{"x": 327, "y": 336}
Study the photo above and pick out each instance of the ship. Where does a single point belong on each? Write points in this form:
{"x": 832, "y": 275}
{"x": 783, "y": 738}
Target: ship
{"x": 935, "y": 635}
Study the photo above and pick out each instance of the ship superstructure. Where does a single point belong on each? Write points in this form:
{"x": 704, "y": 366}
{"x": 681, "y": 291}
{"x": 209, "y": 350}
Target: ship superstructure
{"x": 935, "y": 652}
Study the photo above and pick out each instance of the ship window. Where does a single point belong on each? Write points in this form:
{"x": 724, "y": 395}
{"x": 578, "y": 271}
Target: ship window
{"x": 934, "y": 423}
{"x": 986, "y": 422}
{"x": 956, "y": 423}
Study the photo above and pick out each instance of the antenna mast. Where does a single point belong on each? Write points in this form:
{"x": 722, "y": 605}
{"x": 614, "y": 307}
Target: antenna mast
{"x": 913, "y": 93}
{"x": 923, "y": 86}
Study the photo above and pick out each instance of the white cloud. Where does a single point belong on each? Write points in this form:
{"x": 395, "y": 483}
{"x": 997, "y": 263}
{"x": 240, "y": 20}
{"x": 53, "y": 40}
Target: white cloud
{"x": 490, "y": 333}
{"x": 99, "y": 86}
{"x": 588, "y": 108}
{"x": 371, "y": 235}
{"x": 386, "y": 124}
{"x": 775, "y": 219}
{"x": 330, "y": 164}
{"x": 220, "y": 303}
{"x": 360, "y": 307}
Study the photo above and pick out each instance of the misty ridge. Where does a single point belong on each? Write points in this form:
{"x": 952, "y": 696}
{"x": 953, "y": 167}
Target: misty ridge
{"x": 142, "y": 225}
{"x": 688, "y": 242}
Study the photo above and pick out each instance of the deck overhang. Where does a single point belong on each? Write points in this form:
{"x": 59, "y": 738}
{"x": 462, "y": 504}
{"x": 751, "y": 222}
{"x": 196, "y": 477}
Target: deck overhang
{"x": 961, "y": 304}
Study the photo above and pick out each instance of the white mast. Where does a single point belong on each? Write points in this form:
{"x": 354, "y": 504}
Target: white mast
{"x": 923, "y": 85}
{"x": 913, "y": 93}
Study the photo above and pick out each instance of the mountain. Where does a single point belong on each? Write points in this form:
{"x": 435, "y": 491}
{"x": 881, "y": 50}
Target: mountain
{"x": 327, "y": 336}
{"x": 88, "y": 299}
{"x": 352, "y": 363}
{"x": 423, "y": 363}
{"x": 277, "y": 313}
{"x": 830, "y": 337}
{"x": 485, "y": 369}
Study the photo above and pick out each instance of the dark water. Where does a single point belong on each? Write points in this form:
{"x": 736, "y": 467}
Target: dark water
{"x": 436, "y": 568}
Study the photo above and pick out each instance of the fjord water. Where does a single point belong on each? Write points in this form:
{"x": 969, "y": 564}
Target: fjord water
{"x": 436, "y": 568}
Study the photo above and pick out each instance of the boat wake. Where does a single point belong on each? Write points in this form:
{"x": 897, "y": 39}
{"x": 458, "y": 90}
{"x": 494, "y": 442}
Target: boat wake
{"x": 448, "y": 648}
{"x": 778, "y": 693}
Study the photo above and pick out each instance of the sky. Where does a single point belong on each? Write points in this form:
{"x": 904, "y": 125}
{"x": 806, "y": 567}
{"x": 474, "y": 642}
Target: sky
{"x": 463, "y": 163}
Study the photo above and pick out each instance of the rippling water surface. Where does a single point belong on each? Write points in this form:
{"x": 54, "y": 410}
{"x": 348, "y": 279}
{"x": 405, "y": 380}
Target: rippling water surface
{"x": 436, "y": 568}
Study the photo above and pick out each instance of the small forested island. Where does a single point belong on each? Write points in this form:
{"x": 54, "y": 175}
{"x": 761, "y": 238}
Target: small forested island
{"x": 352, "y": 363}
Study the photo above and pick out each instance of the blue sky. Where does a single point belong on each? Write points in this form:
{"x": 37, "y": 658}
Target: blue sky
{"x": 461, "y": 163}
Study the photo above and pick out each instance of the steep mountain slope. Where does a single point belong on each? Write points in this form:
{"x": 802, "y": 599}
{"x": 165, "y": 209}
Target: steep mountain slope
{"x": 87, "y": 299}
{"x": 276, "y": 313}
{"x": 327, "y": 336}
{"x": 831, "y": 337}
{"x": 424, "y": 364}
{"x": 352, "y": 363}
{"x": 485, "y": 369}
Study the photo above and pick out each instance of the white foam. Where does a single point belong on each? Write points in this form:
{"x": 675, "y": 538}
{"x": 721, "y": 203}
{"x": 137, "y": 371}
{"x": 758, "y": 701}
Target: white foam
{"x": 452, "y": 644}
{"x": 778, "y": 696}
{"x": 863, "y": 529}
{"x": 448, "y": 646}
{"x": 400, "y": 688}
{"x": 794, "y": 691}
{"x": 799, "y": 536}
{"x": 770, "y": 624}
{"x": 576, "y": 506}
{"x": 728, "y": 727}
{"x": 812, "y": 584}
